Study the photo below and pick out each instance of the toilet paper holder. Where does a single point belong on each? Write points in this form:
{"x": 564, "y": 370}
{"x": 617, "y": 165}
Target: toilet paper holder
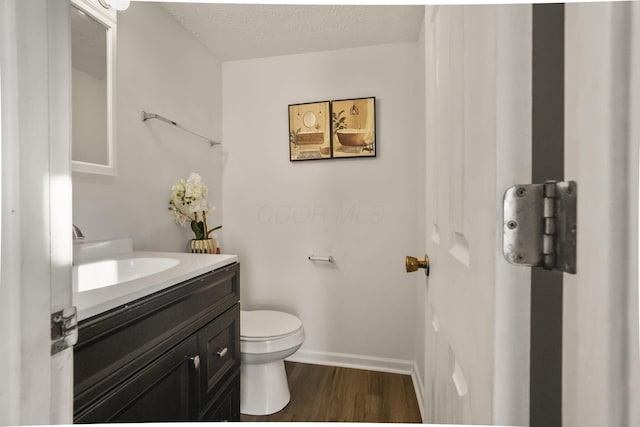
{"x": 321, "y": 258}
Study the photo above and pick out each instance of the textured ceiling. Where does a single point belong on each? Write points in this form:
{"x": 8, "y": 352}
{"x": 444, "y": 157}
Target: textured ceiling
{"x": 243, "y": 31}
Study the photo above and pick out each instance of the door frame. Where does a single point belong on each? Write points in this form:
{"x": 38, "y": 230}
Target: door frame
{"x": 601, "y": 364}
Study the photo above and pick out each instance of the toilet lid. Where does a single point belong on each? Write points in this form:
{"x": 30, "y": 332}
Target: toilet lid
{"x": 266, "y": 323}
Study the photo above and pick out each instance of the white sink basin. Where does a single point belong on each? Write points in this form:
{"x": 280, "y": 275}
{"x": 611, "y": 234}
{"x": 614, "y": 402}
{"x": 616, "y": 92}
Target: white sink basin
{"x": 108, "y": 272}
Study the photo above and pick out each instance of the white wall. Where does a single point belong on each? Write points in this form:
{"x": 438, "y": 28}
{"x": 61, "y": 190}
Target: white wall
{"x": 364, "y": 212}
{"x": 161, "y": 68}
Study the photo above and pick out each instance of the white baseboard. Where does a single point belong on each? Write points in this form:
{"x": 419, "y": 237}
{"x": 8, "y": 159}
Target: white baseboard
{"x": 356, "y": 361}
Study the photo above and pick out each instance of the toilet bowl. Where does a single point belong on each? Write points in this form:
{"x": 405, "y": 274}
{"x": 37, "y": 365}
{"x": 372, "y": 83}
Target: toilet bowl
{"x": 266, "y": 339}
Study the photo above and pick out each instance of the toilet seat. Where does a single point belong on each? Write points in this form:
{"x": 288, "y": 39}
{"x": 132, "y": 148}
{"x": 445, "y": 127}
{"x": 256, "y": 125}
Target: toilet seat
{"x": 262, "y": 325}
{"x": 265, "y": 331}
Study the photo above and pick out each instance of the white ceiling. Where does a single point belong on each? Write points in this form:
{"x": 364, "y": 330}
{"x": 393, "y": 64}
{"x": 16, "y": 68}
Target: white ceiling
{"x": 244, "y": 31}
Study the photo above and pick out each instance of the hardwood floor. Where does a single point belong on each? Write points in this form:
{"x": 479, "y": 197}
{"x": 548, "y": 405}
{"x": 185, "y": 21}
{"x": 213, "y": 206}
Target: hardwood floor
{"x": 326, "y": 393}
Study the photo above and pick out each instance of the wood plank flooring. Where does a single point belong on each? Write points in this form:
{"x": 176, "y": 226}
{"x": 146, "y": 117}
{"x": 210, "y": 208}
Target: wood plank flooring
{"x": 326, "y": 393}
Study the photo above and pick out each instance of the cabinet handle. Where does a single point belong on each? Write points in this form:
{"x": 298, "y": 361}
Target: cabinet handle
{"x": 196, "y": 362}
{"x": 223, "y": 352}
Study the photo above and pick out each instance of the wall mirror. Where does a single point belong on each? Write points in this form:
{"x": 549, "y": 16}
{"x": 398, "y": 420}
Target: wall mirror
{"x": 309, "y": 119}
{"x": 93, "y": 49}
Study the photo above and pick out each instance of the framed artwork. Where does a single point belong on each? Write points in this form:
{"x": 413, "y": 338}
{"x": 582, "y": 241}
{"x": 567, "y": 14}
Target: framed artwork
{"x": 332, "y": 129}
{"x": 310, "y": 131}
{"x": 354, "y": 127}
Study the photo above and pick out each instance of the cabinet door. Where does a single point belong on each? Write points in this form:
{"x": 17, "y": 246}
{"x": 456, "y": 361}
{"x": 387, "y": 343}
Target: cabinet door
{"x": 227, "y": 406}
{"x": 219, "y": 349}
{"x": 166, "y": 390}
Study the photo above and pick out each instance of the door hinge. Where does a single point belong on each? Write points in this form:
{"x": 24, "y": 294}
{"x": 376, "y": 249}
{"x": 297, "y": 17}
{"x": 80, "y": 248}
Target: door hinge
{"x": 64, "y": 329}
{"x": 540, "y": 225}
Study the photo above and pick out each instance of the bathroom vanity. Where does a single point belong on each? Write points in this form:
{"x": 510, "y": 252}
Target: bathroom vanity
{"x": 171, "y": 355}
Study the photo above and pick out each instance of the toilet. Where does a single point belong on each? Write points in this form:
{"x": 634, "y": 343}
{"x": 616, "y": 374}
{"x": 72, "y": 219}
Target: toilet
{"x": 266, "y": 339}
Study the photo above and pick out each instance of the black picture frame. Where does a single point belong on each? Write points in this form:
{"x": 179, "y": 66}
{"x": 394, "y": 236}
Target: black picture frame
{"x": 353, "y": 124}
{"x": 343, "y": 128}
{"x": 310, "y": 131}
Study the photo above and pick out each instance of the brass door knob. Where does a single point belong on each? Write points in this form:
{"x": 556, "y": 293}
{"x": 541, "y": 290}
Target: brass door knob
{"x": 413, "y": 264}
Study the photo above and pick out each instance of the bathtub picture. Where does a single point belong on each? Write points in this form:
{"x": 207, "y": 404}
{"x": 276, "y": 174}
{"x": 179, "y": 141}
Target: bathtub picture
{"x": 309, "y": 131}
{"x": 354, "y": 127}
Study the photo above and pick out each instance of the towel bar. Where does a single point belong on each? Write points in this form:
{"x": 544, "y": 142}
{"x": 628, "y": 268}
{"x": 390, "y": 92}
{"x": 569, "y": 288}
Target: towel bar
{"x": 146, "y": 116}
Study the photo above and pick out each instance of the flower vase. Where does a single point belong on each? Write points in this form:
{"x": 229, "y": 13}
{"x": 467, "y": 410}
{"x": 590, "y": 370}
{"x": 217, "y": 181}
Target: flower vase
{"x": 205, "y": 246}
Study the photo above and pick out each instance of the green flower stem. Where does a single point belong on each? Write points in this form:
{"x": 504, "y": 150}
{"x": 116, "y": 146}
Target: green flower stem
{"x": 214, "y": 229}
{"x": 204, "y": 221}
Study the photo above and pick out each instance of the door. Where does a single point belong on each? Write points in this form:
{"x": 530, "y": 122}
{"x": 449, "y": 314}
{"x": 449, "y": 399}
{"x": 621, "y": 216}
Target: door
{"x": 478, "y": 121}
{"x": 602, "y": 136}
{"x": 478, "y": 86}
{"x": 36, "y": 251}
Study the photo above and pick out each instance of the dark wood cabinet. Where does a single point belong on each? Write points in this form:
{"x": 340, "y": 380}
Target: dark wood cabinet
{"x": 171, "y": 356}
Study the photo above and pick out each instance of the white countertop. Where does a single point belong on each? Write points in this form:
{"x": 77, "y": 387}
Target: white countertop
{"x": 92, "y": 302}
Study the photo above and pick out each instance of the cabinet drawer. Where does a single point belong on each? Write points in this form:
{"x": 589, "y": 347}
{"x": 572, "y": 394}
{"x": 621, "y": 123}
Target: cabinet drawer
{"x": 219, "y": 349}
{"x": 114, "y": 345}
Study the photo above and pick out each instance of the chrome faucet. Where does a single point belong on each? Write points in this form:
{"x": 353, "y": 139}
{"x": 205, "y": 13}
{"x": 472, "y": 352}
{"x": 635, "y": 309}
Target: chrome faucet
{"x": 77, "y": 234}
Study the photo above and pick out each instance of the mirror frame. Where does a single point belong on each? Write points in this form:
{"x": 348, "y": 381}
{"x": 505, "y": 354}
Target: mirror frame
{"x": 108, "y": 18}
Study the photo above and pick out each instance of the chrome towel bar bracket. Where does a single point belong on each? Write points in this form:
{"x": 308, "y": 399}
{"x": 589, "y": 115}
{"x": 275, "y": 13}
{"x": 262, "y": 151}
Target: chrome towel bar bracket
{"x": 144, "y": 116}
